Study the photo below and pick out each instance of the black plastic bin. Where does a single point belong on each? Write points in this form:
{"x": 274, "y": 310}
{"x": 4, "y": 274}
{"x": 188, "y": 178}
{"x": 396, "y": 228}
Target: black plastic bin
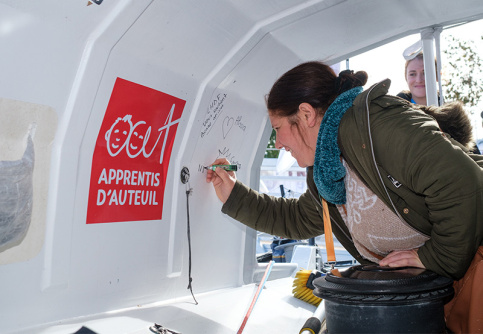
{"x": 373, "y": 299}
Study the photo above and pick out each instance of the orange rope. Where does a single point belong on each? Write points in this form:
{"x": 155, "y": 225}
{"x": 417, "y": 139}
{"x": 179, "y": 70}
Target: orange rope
{"x": 329, "y": 240}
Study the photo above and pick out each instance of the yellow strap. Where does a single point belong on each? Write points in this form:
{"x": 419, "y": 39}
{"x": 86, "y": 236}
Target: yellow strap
{"x": 329, "y": 240}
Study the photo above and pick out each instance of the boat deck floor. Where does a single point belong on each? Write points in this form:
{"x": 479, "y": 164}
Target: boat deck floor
{"x": 217, "y": 312}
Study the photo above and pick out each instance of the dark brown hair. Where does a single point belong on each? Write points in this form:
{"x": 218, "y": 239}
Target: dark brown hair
{"x": 311, "y": 82}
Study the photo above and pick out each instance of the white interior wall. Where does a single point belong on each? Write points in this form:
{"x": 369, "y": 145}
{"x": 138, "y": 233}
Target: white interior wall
{"x": 67, "y": 56}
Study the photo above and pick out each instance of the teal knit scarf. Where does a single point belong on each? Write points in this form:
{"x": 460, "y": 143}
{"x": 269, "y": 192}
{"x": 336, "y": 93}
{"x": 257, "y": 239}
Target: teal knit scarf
{"x": 328, "y": 169}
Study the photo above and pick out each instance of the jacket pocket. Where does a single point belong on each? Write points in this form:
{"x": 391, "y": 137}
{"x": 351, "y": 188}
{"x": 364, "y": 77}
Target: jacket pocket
{"x": 411, "y": 206}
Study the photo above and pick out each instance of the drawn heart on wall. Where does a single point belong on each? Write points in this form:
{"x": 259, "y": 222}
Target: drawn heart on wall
{"x": 227, "y": 125}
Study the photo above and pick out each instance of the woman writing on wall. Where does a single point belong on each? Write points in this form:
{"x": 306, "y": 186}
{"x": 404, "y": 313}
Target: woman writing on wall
{"x": 399, "y": 192}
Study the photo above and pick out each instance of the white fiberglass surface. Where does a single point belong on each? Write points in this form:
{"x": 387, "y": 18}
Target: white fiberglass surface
{"x": 220, "y": 312}
{"x": 192, "y": 76}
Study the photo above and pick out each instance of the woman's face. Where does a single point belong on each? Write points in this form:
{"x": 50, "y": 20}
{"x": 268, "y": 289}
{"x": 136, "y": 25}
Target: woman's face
{"x": 415, "y": 78}
{"x": 291, "y": 138}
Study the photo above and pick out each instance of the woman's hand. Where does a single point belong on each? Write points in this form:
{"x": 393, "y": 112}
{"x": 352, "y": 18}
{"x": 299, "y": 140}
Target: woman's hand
{"x": 223, "y": 181}
{"x": 405, "y": 258}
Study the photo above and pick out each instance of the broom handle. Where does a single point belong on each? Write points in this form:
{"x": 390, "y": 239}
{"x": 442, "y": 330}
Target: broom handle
{"x": 255, "y": 298}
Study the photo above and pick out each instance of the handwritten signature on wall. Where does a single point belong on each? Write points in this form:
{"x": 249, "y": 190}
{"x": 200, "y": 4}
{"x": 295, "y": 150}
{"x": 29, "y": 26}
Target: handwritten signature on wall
{"x": 214, "y": 111}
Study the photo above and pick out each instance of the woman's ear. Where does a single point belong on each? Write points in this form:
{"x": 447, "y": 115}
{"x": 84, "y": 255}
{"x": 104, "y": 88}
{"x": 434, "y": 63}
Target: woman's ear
{"x": 308, "y": 114}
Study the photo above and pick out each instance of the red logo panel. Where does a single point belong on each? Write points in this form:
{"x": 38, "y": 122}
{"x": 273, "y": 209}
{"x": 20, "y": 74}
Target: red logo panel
{"x": 132, "y": 153}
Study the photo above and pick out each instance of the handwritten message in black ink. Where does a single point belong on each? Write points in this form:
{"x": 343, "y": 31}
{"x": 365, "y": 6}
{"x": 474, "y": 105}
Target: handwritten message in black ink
{"x": 213, "y": 113}
{"x": 225, "y": 153}
{"x": 240, "y": 124}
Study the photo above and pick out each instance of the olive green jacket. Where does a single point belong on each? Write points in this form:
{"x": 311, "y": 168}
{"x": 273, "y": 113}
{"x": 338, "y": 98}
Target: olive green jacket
{"x": 425, "y": 177}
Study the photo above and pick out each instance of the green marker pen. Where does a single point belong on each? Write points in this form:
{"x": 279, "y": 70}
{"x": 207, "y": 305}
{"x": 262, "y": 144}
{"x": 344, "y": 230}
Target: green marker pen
{"x": 228, "y": 168}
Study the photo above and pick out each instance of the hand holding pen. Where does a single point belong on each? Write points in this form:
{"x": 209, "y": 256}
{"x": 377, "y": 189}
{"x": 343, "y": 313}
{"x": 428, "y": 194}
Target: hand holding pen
{"x": 228, "y": 168}
{"x": 223, "y": 178}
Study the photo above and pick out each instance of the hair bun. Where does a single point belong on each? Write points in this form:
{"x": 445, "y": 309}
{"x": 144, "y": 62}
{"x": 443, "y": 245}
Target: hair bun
{"x": 347, "y": 79}
{"x": 362, "y": 77}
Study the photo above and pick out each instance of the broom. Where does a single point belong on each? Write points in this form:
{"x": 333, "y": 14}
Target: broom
{"x": 303, "y": 287}
{"x": 302, "y": 284}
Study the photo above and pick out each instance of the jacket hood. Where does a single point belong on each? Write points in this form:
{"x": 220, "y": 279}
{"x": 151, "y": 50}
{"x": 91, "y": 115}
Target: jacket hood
{"x": 452, "y": 119}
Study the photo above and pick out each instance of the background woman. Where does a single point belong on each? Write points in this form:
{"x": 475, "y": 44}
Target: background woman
{"x": 414, "y": 75}
{"x": 452, "y": 118}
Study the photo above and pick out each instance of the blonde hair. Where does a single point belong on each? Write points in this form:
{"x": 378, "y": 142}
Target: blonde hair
{"x": 420, "y": 57}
